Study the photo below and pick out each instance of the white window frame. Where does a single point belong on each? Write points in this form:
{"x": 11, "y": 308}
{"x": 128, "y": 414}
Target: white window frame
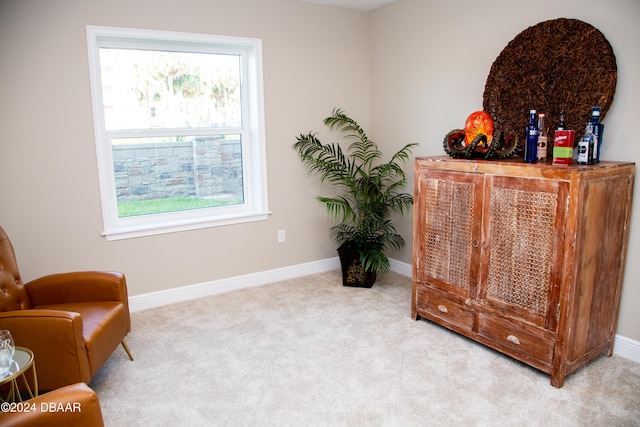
{"x": 255, "y": 206}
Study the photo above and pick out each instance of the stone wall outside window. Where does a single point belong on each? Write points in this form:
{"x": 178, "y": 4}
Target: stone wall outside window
{"x": 206, "y": 167}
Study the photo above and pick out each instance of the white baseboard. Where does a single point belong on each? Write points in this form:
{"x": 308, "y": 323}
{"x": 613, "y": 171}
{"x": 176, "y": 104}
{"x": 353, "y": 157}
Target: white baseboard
{"x": 625, "y": 347}
{"x": 401, "y": 267}
{"x": 199, "y": 290}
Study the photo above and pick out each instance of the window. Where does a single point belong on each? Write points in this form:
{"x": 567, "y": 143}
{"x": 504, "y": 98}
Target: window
{"x": 179, "y": 129}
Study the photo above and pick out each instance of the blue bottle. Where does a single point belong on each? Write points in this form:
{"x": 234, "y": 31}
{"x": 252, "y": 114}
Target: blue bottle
{"x": 531, "y": 141}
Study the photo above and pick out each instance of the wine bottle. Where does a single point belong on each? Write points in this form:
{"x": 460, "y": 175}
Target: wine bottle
{"x": 542, "y": 138}
{"x": 562, "y": 124}
{"x": 531, "y": 141}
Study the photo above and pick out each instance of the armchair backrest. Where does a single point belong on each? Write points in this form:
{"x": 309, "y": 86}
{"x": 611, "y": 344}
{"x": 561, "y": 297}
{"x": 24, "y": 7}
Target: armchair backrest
{"x": 13, "y": 295}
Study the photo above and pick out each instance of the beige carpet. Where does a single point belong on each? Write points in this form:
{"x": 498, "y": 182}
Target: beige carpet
{"x": 310, "y": 352}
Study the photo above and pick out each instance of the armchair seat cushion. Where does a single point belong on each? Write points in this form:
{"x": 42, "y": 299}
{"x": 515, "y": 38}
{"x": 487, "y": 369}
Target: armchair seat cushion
{"x": 104, "y": 323}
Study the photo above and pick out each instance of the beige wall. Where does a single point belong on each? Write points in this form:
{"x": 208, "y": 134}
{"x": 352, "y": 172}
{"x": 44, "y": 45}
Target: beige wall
{"x": 413, "y": 70}
{"x": 430, "y": 61}
{"x": 315, "y": 58}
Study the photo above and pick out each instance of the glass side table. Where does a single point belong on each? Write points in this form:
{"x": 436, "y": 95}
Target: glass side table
{"x": 22, "y": 362}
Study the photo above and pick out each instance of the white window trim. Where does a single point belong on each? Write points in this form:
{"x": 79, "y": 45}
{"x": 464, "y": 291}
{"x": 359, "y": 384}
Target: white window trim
{"x": 255, "y": 207}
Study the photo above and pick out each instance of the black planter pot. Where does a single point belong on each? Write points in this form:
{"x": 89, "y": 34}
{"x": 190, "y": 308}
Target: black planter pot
{"x": 353, "y": 274}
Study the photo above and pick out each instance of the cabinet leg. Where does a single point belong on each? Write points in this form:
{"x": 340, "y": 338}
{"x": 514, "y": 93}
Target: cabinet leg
{"x": 557, "y": 378}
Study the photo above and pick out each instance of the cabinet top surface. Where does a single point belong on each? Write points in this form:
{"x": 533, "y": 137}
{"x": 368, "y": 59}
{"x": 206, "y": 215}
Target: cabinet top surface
{"x": 544, "y": 168}
{"x": 517, "y": 160}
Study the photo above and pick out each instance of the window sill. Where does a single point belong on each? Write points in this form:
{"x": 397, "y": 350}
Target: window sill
{"x": 157, "y": 228}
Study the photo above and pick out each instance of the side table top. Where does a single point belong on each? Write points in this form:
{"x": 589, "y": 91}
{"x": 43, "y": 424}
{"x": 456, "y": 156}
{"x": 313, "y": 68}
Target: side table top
{"x": 22, "y": 360}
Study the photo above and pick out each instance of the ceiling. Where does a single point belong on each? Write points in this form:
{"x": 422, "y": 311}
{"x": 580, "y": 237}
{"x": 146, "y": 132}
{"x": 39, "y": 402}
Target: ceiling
{"x": 353, "y": 4}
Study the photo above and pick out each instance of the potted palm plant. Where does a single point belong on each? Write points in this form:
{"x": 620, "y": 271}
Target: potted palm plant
{"x": 369, "y": 192}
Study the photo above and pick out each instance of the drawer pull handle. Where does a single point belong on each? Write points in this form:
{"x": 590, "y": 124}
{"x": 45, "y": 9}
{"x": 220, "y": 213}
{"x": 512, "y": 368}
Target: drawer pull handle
{"x": 514, "y": 339}
{"x": 475, "y": 243}
{"x": 442, "y": 309}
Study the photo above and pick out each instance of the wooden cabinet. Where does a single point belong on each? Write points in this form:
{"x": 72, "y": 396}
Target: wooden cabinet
{"x": 527, "y": 259}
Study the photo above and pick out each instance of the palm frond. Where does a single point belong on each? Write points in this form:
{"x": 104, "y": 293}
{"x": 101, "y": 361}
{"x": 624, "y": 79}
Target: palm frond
{"x": 339, "y": 208}
{"x": 375, "y": 261}
{"x": 362, "y": 148}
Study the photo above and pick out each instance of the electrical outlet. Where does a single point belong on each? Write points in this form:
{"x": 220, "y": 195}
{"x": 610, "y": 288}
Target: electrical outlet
{"x": 281, "y": 236}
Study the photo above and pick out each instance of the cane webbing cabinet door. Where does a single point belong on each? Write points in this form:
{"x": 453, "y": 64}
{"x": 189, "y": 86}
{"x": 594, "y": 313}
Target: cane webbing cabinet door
{"x": 527, "y": 259}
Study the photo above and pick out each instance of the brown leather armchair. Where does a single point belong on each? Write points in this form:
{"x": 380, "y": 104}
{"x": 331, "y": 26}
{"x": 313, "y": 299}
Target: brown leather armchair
{"x": 74, "y": 405}
{"x": 71, "y": 321}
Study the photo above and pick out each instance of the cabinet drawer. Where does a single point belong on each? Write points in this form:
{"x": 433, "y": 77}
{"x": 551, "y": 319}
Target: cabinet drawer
{"x": 440, "y": 306}
{"x": 516, "y": 338}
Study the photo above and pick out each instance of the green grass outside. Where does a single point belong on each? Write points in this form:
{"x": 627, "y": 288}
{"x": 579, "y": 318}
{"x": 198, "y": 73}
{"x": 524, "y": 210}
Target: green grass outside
{"x": 172, "y": 204}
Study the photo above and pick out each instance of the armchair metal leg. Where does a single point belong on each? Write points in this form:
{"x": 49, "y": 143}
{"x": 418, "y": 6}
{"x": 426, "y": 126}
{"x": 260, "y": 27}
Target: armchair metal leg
{"x": 126, "y": 348}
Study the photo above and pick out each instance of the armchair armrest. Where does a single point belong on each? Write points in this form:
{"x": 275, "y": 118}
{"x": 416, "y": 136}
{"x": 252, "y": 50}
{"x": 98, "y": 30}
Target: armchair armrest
{"x": 58, "y": 335}
{"x": 78, "y": 286}
{"x": 81, "y": 404}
